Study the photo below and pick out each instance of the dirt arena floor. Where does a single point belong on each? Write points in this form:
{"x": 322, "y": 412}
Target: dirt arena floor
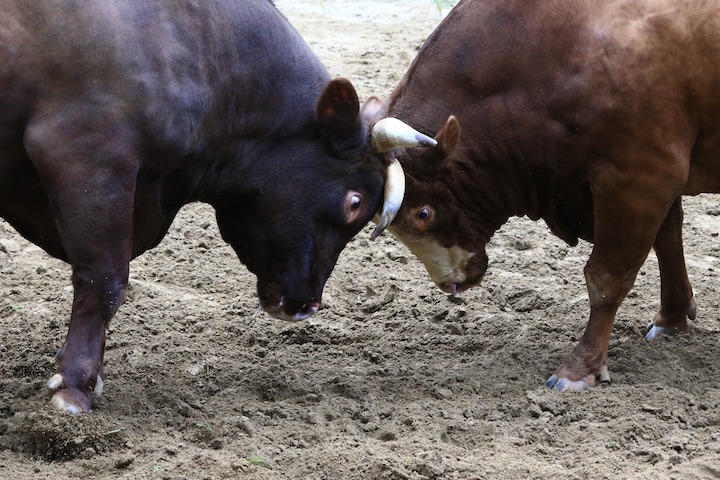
{"x": 393, "y": 379}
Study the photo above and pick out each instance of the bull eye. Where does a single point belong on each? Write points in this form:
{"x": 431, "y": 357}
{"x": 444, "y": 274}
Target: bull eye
{"x": 423, "y": 217}
{"x": 353, "y": 204}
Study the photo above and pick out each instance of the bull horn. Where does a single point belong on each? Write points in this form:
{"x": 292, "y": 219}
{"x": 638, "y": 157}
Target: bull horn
{"x": 394, "y": 193}
{"x": 390, "y": 133}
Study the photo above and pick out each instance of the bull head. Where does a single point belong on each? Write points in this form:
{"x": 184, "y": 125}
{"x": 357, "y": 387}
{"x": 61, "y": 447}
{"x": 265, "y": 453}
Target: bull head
{"x": 387, "y": 134}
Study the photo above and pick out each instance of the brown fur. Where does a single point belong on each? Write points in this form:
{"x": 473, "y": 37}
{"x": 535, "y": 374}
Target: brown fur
{"x": 595, "y": 116}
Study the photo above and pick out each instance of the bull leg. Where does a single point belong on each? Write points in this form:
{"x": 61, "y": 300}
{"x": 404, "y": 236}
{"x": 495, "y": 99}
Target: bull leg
{"x": 80, "y": 363}
{"x": 676, "y": 296}
{"x": 89, "y": 172}
{"x": 627, "y": 220}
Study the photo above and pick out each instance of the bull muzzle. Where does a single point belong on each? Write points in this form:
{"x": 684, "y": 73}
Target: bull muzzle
{"x": 387, "y": 134}
{"x": 291, "y": 311}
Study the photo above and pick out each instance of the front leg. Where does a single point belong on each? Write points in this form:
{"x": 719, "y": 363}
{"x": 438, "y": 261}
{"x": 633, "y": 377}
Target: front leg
{"x": 89, "y": 172}
{"x": 80, "y": 361}
{"x": 588, "y": 361}
{"x": 628, "y": 216}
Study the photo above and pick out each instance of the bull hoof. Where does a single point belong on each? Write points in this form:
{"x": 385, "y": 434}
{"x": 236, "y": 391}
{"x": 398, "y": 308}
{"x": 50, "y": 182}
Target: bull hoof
{"x": 692, "y": 311}
{"x": 66, "y": 402}
{"x": 71, "y": 400}
{"x": 563, "y": 384}
{"x": 654, "y": 332}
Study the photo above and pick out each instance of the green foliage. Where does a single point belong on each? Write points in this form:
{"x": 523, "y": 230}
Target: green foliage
{"x": 257, "y": 459}
{"x": 440, "y": 4}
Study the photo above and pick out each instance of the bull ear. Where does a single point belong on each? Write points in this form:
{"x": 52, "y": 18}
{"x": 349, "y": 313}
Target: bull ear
{"x": 448, "y": 136}
{"x": 338, "y": 115}
{"x": 371, "y": 111}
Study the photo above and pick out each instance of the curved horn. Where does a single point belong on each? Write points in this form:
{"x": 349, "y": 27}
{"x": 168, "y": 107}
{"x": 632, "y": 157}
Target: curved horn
{"x": 394, "y": 193}
{"x": 390, "y": 133}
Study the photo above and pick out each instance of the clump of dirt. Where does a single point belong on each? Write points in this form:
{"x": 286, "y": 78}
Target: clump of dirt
{"x": 52, "y": 437}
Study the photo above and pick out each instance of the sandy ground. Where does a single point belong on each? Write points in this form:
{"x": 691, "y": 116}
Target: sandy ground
{"x": 392, "y": 379}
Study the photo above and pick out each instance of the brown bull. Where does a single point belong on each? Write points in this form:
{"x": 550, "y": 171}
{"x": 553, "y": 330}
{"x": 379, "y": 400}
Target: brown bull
{"x": 596, "y": 116}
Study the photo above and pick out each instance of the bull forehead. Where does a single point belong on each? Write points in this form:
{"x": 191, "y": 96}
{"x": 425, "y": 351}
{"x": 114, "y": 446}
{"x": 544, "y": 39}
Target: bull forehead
{"x": 445, "y": 265}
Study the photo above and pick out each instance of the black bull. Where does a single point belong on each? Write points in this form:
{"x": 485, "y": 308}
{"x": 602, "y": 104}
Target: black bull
{"x": 115, "y": 114}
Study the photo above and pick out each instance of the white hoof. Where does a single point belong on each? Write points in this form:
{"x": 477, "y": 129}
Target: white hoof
{"x": 55, "y": 382}
{"x": 654, "y": 332}
{"x": 99, "y": 386}
{"x": 60, "y": 404}
{"x": 604, "y": 376}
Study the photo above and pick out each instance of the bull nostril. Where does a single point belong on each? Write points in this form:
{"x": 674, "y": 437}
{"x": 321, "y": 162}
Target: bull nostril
{"x": 311, "y": 308}
{"x": 300, "y": 311}
{"x": 291, "y": 310}
{"x": 307, "y": 311}
{"x": 451, "y": 288}
{"x": 454, "y": 288}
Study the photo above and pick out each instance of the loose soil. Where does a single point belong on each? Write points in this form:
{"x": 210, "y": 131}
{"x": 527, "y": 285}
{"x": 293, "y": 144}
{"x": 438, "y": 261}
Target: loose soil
{"x": 393, "y": 379}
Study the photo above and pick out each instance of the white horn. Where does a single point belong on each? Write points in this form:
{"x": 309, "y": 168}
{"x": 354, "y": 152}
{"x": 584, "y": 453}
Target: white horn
{"x": 394, "y": 194}
{"x": 390, "y": 133}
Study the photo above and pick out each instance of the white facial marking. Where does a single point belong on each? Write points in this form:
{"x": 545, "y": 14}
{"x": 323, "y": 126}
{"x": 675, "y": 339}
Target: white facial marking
{"x": 445, "y": 265}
